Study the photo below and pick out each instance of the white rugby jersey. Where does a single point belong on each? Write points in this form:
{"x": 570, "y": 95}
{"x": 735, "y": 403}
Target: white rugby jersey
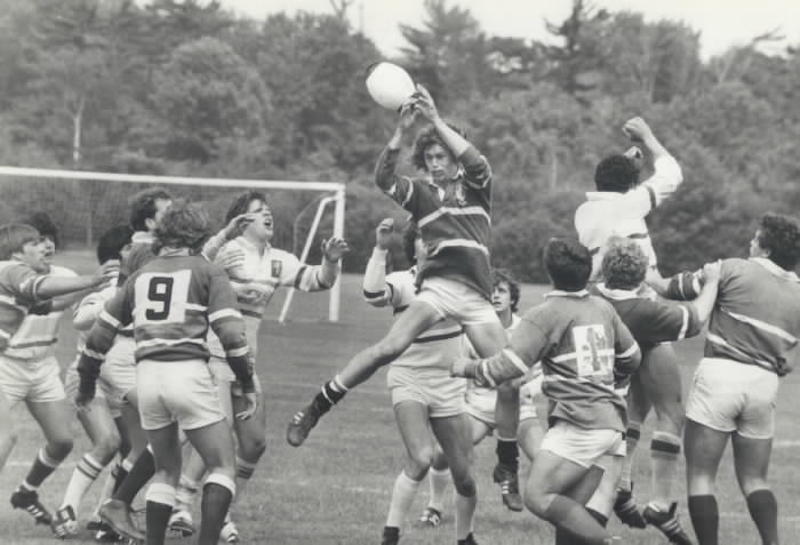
{"x": 272, "y": 269}
{"x": 436, "y": 347}
{"x": 607, "y": 214}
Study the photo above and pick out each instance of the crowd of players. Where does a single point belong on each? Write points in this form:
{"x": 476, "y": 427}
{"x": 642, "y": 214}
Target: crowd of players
{"x": 165, "y": 384}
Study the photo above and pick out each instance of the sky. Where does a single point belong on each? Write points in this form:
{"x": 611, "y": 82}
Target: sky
{"x": 722, "y": 23}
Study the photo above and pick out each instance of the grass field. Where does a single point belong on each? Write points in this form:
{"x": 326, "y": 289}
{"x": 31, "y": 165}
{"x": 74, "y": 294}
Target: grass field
{"x": 335, "y": 489}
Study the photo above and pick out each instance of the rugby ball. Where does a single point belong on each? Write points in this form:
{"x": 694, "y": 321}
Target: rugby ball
{"x": 389, "y": 85}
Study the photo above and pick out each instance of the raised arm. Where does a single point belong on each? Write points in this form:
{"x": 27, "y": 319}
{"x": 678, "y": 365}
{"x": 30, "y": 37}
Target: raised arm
{"x": 376, "y": 291}
{"x": 54, "y": 286}
{"x": 232, "y": 230}
{"x": 385, "y": 177}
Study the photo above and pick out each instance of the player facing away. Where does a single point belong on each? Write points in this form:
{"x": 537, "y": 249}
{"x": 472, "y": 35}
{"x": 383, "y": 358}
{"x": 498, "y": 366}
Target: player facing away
{"x": 172, "y": 301}
{"x": 584, "y": 349}
{"x": 653, "y": 322}
{"x": 257, "y": 273}
{"x": 424, "y": 395}
{"x": 29, "y": 299}
{"x": 753, "y": 340}
{"x": 451, "y": 206}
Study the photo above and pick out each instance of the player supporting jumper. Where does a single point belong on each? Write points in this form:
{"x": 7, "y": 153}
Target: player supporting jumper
{"x": 584, "y": 348}
{"x": 257, "y": 274}
{"x": 618, "y": 209}
{"x": 27, "y": 287}
{"x": 172, "y": 301}
{"x": 424, "y": 395}
{"x": 652, "y": 322}
{"x": 753, "y": 340}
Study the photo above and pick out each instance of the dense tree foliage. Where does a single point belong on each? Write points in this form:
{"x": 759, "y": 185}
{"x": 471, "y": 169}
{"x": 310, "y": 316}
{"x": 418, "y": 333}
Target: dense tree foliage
{"x": 185, "y": 87}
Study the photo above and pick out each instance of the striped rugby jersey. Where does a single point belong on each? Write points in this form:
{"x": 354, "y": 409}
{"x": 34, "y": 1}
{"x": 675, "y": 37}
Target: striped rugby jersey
{"x": 583, "y": 346}
{"x": 756, "y": 319}
{"x": 434, "y": 348}
{"x": 607, "y": 214}
{"x": 455, "y": 223}
{"x": 172, "y": 301}
{"x": 38, "y": 333}
{"x": 273, "y": 268}
{"x": 18, "y": 295}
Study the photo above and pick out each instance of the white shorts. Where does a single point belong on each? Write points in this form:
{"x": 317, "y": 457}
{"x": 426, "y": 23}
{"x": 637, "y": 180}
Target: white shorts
{"x": 452, "y": 299}
{"x": 528, "y": 393}
{"x": 480, "y": 403}
{"x": 36, "y": 381}
{"x": 583, "y": 446}
{"x": 177, "y": 391}
{"x": 730, "y": 396}
{"x": 119, "y": 370}
{"x": 442, "y": 394}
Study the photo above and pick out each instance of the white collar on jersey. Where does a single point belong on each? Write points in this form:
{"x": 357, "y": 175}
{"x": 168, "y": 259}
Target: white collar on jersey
{"x": 562, "y": 293}
{"x": 775, "y": 269}
{"x": 617, "y": 294}
{"x": 142, "y": 237}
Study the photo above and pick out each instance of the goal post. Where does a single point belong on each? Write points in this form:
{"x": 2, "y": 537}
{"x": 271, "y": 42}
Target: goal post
{"x": 332, "y": 192}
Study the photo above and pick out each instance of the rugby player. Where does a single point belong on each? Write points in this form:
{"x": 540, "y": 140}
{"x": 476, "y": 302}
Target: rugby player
{"x": 424, "y": 395}
{"x": 171, "y": 302}
{"x": 257, "y": 273}
{"x": 29, "y": 371}
{"x": 585, "y": 349}
{"x": 753, "y": 340}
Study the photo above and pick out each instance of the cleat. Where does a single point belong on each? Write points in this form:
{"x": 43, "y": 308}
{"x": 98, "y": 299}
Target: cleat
{"x": 181, "y": 524}
{"x": 301, "y": 425}
{"x": 509, "y": 487}
{"x": 430, "y": 517}
{"x": 65, "y": 524}
{"x": 105, "y": 534}
{"x": 117, "y": 515}
{"x": 229, "y": 533}
{"x": 391, "y": 535}
{"x": 668, "y": 523}
{"x": 29, "y": 501}
{"x": 94, "y": 524}
{"x": 627, "y": 511}
{"x": 469, "y": 540}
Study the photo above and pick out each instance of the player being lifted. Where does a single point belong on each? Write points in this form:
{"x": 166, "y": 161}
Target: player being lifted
{"x": 618, "y": 209}
{"x": 452, "y": 208}
{"x": 257, "y": 271}
{"x": 424, "y": 395}
{"x": 585, "y": 349}
{"x": 753, "y": 340}
{"x": 171, "y": 302}
{"x": 29, "y": 302}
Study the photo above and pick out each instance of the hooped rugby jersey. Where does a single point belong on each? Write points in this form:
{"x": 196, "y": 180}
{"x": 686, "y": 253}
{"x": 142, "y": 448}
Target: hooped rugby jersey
{"x": 434, "y": 348}
{"x": 455, "y": 224}
{"x": 607, "y": 214}
{"x": 756, "y": 319}
{"x": 583, "y": 346}
{"x": 19, "y": 284}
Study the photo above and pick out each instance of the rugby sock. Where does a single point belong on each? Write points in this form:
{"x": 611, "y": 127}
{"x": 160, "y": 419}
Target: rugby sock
{"x": 160, "y": 501}
{"x": 439, "y": 479}
{"x": 508, "y": 452}
{"x": 244, "y": 470}
{"x": 632, "y": 435}
{"x": 572, "y": 517}
{"x": 764, "y": 510}
{"x": 705, "y": 518}
{"x": 217, "y": 495}
{"x": 403, "y": 493}
{"x": 86, "y": 472}
{"x": 187, "y": 490}
{"x": 141, "y": 472}
{"x": 42, "y": 467}
{"x": 565, "y": 538}
{"x": 465, "y": 512}
{"x": 332, "y": 392}
{"x": 664, "y": 451}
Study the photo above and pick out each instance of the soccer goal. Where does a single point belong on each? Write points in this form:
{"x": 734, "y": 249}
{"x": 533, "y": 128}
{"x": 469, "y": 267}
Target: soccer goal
{"x": 84, "y": 204}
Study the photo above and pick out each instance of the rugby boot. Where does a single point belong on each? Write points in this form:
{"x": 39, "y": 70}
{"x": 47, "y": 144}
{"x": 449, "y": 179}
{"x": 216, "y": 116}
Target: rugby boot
{"x": 391, "y": 535}
{"x": 65, "y": 524}
{"x": 627, "y": 511}
{"x": 117, "y": 514}
{"x": 430, "y": 517}
{"x": 105, "y": 534}
{"x": 180, "y": 523}
{"x": 229, "y": 532}
{"x": 29, "y": 501}
{"x": 509, "y": 487}
{"x": 469, "y": 540}
{"x": 668, "y": 523}
{"x": 302, "y": 423}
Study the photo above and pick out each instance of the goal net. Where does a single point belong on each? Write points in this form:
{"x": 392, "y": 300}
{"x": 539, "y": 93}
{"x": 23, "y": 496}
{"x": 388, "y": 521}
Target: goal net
{"x": 85, "y": 204}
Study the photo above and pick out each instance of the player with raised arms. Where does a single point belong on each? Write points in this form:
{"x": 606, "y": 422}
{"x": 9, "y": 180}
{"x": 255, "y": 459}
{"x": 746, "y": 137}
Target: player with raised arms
{"x": 452, "y": 208}
{"x": 172, "y": 301}
{"x": 584, "y": 349}
{"x": 753, "y": 339}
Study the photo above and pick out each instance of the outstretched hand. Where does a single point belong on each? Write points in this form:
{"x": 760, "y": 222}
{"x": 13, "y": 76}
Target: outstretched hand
{"x": 383, "y": 233}
{"x": 334, "y": 248}
{"x": 424, "y": 104}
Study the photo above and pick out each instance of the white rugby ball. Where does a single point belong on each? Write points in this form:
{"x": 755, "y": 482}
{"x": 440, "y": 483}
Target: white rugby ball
{"x": 389, "y": 85}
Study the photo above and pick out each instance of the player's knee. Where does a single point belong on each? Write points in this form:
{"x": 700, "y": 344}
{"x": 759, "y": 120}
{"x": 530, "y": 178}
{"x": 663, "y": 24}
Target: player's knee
{"x": 536, "y": 501}
{"x": 439, "y": 462}
{"x": 107, "y": 446}
{"x": 60, "y": 447}
{"x": 464, "y": 483}
{"x": 750, "y": 484}
{"x": 252, "y": 448}
{"x": 419, "y": 462}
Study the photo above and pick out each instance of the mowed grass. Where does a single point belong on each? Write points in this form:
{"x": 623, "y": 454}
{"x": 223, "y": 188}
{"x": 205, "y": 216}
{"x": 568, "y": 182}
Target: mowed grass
{"x": 335, "y": 489}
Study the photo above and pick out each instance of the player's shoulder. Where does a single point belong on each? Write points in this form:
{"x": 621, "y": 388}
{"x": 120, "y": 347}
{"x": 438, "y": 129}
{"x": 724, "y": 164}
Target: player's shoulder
{"x": 58, "y": 270}
{"x": 283, "y": 255}
{"x": 398, "y": 278}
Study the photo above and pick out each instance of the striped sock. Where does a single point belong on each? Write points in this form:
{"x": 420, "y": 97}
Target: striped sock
{"x": 665, "y": 449}
{"x": 632, "y": 435}
{"x": 86, "y": 472}
{"x": 42, "y": 467}
{"x": 332, "y": 392}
